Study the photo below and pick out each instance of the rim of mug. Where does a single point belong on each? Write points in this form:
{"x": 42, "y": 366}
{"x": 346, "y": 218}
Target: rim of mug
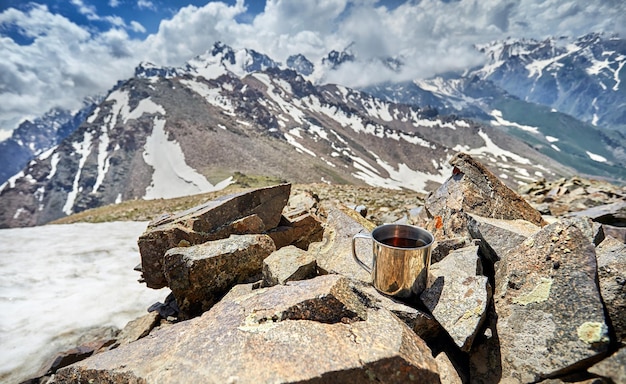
{"x": 430, "y": 243}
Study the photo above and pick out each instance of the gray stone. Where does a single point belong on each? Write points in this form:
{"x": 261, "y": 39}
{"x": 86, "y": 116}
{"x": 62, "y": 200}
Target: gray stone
{"x": 590, "y": 229}
{"x": 200, "y": 274}
{"x": 485, "y": 360}
{"x": 550, "y": 314}
{"x": 499, "y": 236}
{"x": 448, "y": 373}
{"x": 611, "y": 256}
{"x": 442, "y": 247}
{"x": 611, "y": 214}
{"x": 138, "y": 328}
{"x": 334, "y": 252}
{"x": 313, "y": 331}
{"x": 472, "y": 188}
{"x": 299, "y": 228}
{"x": 458, "y": 295}
{"x": 613, "y": 367}
{"x": 253, "y": 211}
{"x": 289, "y": 263}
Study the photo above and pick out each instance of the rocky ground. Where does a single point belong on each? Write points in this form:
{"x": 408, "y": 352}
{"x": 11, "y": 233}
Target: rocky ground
{"x": 523, "y": 288}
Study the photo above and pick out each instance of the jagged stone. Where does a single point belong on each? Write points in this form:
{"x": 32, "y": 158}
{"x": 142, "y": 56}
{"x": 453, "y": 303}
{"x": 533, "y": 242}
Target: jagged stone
{"x": 253, "y": 211}
{"x": 611, "y": 256}
{"x": 334, "y": 252}
{"x": 448, "y": 373}
{"x": 611, "y": 214}
{"x": 458, "y": 295}
{"x": 618, "y": 233}
{"x": 472, "y": 188}
{"x": 299, "y": 228}
{"x": 138, "y": 328}
{"x": 423, "y": 324}
{"x": 499, "y": 236}
{"x": 613, "y": 367}
{"x": 289, "y": 263}
{"x": 550, "y": 314}
{"x": 441, "y": 248}
{"x": 485, "y": 360}
{"x": 200, "y": 274}
{"x": 280, "y": 334}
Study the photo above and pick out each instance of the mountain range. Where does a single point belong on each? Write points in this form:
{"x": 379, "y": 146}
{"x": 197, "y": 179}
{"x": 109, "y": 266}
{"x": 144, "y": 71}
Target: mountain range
{"x": 226, "y": 114}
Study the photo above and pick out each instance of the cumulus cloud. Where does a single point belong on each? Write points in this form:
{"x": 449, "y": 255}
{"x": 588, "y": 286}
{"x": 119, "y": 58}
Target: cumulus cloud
{"x": 61, "y": 62}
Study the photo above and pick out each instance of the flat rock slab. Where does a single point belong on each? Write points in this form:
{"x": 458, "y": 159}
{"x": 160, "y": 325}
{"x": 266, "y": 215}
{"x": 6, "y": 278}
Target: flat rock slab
{"x": 280, "y": 334}
{"x": 334, "y": 252}
{"x": 550, "y": 314}
{"x": 498, "y": 236}
{"x": 611, "y": 255}
{"x": 200, "y": 275}
{"x": 458, "y": 295}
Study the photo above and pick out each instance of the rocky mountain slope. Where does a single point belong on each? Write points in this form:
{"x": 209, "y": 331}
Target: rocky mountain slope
{"x": 171, "y": 132}
{"x": 31, "y": 138}
{"x": 561, "y": 96}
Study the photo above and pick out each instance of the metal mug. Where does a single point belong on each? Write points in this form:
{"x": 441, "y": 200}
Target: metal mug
{"x": 401, "y": 257}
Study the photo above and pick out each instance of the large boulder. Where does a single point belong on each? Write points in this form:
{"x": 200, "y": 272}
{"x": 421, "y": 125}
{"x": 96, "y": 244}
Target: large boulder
{"x": 472, "y": 188}
{"x": 199, "y": 275}
{"x": 313, "y": 331}
{"x": 255, "y": 211}
{"x": 458, "y": 295}
{"x": 550, "y": 317}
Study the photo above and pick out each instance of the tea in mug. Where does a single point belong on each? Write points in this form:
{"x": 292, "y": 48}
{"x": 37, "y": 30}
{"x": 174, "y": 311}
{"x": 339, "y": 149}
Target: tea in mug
{"x": 402, "y": 242}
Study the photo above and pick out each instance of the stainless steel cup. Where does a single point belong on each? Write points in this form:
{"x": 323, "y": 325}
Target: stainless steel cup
{"x": 401, "y": 258}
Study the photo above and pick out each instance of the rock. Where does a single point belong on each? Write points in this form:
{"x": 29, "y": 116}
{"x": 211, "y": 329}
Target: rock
{"x": 499, "y": 236}
{"x": 253, "y": 211}
{"x": 618, "y": 233}
{"x": 299, "y": 228}
{"x": 288, "y": 264}
{"x": 138, "y": 328}
{"x": 550, "y": 314}
{"x": 200, "y": 274}
{"x": 485, "y": 360}
{"x": 447, "y": 371}
{"x": 611, "y": 256}
{"x": 613, "y": 367}
{"x": 167, "y": 309}
{"x": 441, "y": 248}
{"x": 473, "y": 189}
{"x": 280, "y": 334}
{"x": 458, "y": 295}
{"x": 334, "y": 252}
{"x": 423, "y": 324}
{"x": 612, "y": 214}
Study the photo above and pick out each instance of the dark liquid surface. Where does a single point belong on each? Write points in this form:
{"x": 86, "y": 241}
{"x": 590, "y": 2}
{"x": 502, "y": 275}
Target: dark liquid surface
{"x": 401, "y": 242}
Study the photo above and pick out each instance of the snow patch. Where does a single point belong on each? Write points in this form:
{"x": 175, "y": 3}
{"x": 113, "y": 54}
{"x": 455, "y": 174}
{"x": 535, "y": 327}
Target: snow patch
{"x": 82, "y": 149}
{"x": 500, "y": 121}
{"x": 172, "y": 177}
{"x": 594, "y": 157}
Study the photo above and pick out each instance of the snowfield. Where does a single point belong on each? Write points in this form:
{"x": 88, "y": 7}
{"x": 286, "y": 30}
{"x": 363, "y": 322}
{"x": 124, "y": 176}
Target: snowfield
{"x": 57, "y": 281}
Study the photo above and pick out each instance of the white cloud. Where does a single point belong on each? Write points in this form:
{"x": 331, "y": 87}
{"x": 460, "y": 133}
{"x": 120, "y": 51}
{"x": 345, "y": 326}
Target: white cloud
{"x": 145, "y": 4}
{"x": 137, "y": 27}
{"x": 65, "y": 62}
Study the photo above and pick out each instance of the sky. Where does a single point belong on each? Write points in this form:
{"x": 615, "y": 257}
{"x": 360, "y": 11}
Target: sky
{"x": 54, "y": 53}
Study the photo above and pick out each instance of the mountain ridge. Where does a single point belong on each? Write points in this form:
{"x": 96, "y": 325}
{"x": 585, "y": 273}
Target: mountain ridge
{"x": 189, "y": 129}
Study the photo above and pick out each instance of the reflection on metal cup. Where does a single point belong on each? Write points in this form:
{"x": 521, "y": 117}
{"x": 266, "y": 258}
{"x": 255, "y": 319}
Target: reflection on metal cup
{"x": 401, "y": 258}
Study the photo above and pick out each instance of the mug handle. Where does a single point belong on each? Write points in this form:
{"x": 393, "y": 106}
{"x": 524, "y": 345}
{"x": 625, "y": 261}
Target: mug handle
{"x": 356, "y": 258}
